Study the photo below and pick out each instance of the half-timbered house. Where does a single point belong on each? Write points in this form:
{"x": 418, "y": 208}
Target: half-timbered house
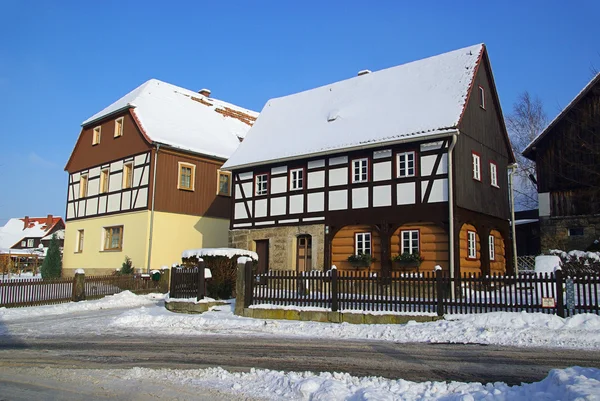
{"x": 145, "y": 179}
{"x": 410, "y": 159}
{"x": 567, "y": 159}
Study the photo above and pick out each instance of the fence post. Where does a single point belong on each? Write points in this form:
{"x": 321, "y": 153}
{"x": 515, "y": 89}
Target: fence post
{"x": 560, "y": 300}
{"x": 78, "y": 293}
{"x": 439, "y": 293}
{"x": 165, "y": 280}
{"x": 248, "y": 291}
{"x": 173, "y": 275}
{"x": 334, "y": 290}
{"x": 201, "y": 281}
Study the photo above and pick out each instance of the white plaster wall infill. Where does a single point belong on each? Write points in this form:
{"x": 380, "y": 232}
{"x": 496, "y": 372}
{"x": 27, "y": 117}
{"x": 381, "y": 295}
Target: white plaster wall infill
{"x": 405, "y": 193}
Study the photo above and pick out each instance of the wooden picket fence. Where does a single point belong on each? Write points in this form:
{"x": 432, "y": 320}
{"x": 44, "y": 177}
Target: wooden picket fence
{"x": 35, "y": 291}
{"x": 429, "y": 292}
{"x": 188, "y": 282}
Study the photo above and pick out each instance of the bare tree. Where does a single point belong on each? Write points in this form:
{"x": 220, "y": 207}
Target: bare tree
{"x": 524, "y": 124}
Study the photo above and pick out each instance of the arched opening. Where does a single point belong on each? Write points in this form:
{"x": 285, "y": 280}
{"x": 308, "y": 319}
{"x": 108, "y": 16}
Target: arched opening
{"x": 303, "y": 253}
{"x": 497, "y": 253}
{"x": 470, "y": 250}
{"x": 354, "y": 240}
{"x": 427, "y": 239}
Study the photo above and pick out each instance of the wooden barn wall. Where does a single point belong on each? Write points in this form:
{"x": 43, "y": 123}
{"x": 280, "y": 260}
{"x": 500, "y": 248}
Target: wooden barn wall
{"x": 203, "y": 201}
{"x": 86, "y": 155}
{"x": 498, "y": 265}
{"x": 342, "y": 246}
{"x": 433, "y": 245}
{"x": 471, "y": 266}
{"x": 481, "y": 132}
{"x": 569, "y": 155}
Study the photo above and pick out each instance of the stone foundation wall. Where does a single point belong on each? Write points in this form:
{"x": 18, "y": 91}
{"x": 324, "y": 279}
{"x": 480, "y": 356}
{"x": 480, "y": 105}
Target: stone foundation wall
{"x": 282, "y": 244}
{"x": 554, "y": 232}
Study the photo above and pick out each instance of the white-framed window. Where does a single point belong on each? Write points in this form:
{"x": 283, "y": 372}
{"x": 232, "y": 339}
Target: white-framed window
{"x": 492, "y": 245}
{"x": 405, "y": 163}
{"x": 482, "y": 97}
{"x": 187, "y": 175}
{"x": 360, "y": 170}
{"x": 472, "y": 244}
{"x": 362, "y": 243}
{"x": 410, "y": 241}
{"x": 79, "y": 243}
{"x": 30, "y": 243}
{"x": 476, "y": 166}
{"x": 223, "y": 183}
{"x": 96, "y": 135}
{"x": 83, "y": 185}
{"x": 261, "y": 184}
{"x": 104, "y": 179}
{"x": 119, "y": 127}
{"x": 127, "y": 175}
{"x": 297, "y": 178}
{"x": 23, "y": 244}
{"x": 494, "y": 175}
{"x": 113, "y": 238}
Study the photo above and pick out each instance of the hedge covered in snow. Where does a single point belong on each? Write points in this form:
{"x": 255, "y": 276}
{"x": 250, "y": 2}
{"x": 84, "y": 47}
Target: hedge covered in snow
{"x": 578, "y": 262}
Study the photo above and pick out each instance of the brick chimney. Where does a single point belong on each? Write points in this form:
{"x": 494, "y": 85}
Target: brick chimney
{"x": 25, "y": 222}
{"x": 49, "y": 221}
{"x": 204, "y": 92}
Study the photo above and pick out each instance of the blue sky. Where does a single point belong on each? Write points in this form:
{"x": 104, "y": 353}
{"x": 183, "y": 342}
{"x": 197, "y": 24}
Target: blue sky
{"x": 61, "y": 62}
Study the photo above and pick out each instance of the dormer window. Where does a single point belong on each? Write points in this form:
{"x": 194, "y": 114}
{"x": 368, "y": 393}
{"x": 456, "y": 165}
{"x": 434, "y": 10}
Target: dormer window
{"x": 482, "y": 97}
{"x": 96, "y": 135}
{"x": 118, "y": 127}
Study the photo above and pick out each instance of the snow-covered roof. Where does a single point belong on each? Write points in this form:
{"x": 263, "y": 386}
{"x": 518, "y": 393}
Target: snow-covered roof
{"x": 60, "y": 234}
{"x": 14, "y": 230}
{"x": 408, "y": 102}
{"x": 530, "y": 148}
{"x": 184, "y": 119}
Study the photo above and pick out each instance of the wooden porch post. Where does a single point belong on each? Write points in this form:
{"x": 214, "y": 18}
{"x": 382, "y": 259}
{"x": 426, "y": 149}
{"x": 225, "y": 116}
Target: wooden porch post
{"x": 385, "y": 235}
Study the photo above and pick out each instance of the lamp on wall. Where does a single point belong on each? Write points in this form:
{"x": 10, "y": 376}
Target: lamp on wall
{"x": 326, "y": 230}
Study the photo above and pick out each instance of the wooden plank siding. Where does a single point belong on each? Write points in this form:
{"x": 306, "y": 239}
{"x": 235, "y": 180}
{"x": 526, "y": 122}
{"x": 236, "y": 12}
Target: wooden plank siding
{"x": 85, "y": 155}
{"x": 468, "y": 265}
{"x": 203, "y": 200}
{"x": 433, "y": 245}
{"x": 481, "y": 131}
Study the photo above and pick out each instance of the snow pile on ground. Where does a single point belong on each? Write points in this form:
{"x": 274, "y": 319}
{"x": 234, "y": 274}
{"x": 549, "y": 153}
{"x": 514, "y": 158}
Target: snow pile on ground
{"x": 125, "y": 299}
{"x": 228, "y": 252}
{"x": 501, "y": 328}
{"x": 546, "y": 263}
{"x": 574, "y": 383}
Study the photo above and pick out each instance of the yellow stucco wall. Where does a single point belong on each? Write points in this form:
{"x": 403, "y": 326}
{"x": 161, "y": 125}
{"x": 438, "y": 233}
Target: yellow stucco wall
{"x": 92, "y": 258}
{"x": 174, "y": 233}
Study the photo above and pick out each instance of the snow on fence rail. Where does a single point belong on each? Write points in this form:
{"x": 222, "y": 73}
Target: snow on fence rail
{"x": 34, "y": 291}
{"x": 425, "y": 292}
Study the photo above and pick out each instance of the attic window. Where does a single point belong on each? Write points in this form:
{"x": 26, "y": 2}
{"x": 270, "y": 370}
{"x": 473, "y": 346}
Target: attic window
{"x": 96, "y": 135}
{"x": 118, "y": 127}
{"x": 482, "y": 97}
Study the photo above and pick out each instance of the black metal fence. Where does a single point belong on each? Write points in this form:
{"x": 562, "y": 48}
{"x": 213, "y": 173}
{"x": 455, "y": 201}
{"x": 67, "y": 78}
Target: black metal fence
{"x": 434, "y": 292}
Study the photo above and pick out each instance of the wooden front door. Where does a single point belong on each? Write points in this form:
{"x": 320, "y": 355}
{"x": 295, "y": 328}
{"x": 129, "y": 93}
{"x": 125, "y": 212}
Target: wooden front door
{"x": 304, "y": 253}
{"x": 262, "y": 249}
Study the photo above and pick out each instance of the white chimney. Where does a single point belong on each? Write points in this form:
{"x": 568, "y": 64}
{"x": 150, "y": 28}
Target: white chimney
{"x": 204, "y": 92}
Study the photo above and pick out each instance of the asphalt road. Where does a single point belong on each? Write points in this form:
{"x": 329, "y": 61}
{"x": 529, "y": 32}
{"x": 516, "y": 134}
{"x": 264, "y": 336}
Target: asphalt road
{"x": 415, "y": 361}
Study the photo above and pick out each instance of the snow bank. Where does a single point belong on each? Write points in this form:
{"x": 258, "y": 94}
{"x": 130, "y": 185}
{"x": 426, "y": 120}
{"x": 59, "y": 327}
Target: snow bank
{"x": 546, "y": 263}
{"x": 576, "y": 254}
{"x": 204, "y": 300}
{"x": 573, "y": 383}
{"x": 122, "y": 300}
{"x": 228, "y": 252}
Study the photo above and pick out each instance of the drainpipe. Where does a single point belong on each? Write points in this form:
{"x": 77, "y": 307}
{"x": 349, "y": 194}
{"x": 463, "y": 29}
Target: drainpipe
{"x": 152, "y": 212}
{"x": 451, "y": 212}
{"x": 513, "y": 168}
